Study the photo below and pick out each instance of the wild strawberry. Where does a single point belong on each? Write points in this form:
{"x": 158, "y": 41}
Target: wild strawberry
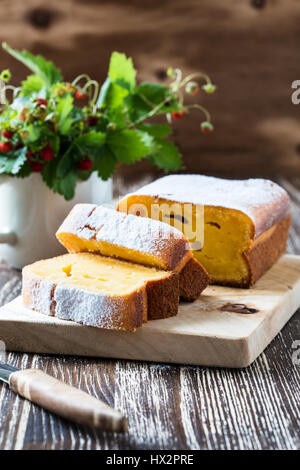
{"x": 177, "y": 114}
{"x": 41, "y": 102}
{"x": 71, "y": 88}
{"x": 81, "y": 96}
{"x": 206, "y": 127}
{"x": 7, "y": 134}
{"x": 192, "y": 88}
{"x": 5, "y": 147}
{"x": 36, "y": 167}
{"x": 92, "y": 121}
{"x": 19, "y": 146}
{"x": 85, "y": 164}
{"x": 23, "y": 114}
{"x": 209, "y": 88}
{"x": 47, "y": 153}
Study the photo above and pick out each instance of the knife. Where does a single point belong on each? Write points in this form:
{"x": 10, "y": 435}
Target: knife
{"x": 62, "y": 399}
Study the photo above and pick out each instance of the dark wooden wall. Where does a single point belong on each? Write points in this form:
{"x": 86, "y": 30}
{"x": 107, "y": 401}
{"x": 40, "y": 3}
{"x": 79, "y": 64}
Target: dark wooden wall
{"x": 251, "y": 49}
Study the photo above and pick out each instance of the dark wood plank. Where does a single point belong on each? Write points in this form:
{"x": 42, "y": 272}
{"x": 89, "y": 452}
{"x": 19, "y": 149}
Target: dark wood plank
{"x": 169, "y": 407}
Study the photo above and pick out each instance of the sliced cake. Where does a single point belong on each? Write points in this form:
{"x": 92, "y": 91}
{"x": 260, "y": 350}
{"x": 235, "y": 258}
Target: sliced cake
{"x": 244, "y": 228}
{"x": 99, "y": 291}
{"x": 102, "y": 230}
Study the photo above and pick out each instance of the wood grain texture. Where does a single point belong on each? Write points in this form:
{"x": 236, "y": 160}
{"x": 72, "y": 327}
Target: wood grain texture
{"x": 169, "y": 407}
{"x": 251, "y": 53}
{"x": 69, "y": 402}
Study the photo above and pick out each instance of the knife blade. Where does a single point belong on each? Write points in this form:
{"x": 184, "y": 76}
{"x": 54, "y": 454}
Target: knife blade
{"x": 5, "y": 371}
{"x": 62, "y": 399}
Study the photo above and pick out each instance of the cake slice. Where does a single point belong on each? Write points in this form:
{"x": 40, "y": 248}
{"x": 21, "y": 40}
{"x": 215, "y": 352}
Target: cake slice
{"x": 99, "y": 291}
{"x": 97, "y": 229}
{"x": 245, "y": 223}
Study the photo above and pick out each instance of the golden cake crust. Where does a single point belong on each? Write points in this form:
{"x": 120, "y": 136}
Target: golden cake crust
{"x": 262, "y": 205}
{"x": 263, "y": 201}
{"x": 267, "y": 248}
{"x": 90, "y": 228}
{"x": 157, "y": 298}
{"x": 103, "y": 230}
{"x": 193, "y": 278}
{"x": 163, "y": 297}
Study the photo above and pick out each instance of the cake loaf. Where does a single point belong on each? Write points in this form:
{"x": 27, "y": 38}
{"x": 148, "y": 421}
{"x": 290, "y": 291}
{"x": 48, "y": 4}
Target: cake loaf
{"x": 98, "y": 291}
{"x": 97, "y": 229}
{"x": 245, "y": 222}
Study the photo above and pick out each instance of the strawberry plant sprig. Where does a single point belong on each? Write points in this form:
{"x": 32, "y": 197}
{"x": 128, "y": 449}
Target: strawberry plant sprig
{"x": 67, "y": 130}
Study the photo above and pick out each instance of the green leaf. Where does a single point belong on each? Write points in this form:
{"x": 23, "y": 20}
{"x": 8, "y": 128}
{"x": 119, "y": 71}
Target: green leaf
{"x": 34, "y": 133}
{"x": 105, "y": 162}
{"x": 13, "y": 162}
{"x": 64, "y": 186}
{"x": 37, "y": 64}
{"x": 129, "y": 146}
{"x": 148, "y": 97}
{"x": 32, "y": 84}
{"x": 63, "y": 110}
{"x": 103, "y": 93}
{"x": 159, "y": 131}
{"x": 49, "y": 173}
{"x": 115, "y": 96}
{"x": 87, "y": 144}
{"x": 121, "y": 71}
{"x": 54, "y": 141}
{"x": 67, "y": 185}
{"x": 117, "y": 117}
{"x": 154, "y": 93}
{"x": 167, "y": 156}
{"x": 24, "y": 171}
{"x": 6, "y": 116}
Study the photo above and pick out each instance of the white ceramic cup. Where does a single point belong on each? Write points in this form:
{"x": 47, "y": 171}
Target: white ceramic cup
{"x": 30, "y": 214}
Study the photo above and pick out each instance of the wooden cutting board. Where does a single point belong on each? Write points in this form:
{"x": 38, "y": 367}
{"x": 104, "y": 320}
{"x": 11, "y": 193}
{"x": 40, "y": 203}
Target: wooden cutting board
{"x": 225, "y": 327}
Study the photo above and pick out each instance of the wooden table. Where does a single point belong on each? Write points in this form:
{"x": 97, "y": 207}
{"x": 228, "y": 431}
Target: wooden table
{"x": 169, "y": 407}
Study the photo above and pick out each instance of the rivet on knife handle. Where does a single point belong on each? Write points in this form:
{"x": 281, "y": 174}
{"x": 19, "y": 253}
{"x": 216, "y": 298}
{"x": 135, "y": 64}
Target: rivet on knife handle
{"x": 66, "y": 401}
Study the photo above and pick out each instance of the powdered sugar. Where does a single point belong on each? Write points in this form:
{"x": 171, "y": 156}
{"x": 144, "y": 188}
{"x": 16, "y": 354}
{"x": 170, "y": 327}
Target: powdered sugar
{"x": 257, "y": 198}
{"x": 128, "y": 231}
{"x": 68, "y": 302}
{"x": 137, "y": 233}
{"x": 76, "y": 221}
{"x": 89, "y": 308}
{"x": 40, "y": 293}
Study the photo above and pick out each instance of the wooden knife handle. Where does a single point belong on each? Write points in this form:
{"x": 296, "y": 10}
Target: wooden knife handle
{"x": 66, "y": 401}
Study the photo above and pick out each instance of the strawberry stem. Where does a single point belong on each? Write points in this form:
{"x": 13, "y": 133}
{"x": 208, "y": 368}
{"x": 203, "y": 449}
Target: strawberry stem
{"x": 80, "y": 77}
{"x": 201, "y": 108}
{"x": 195, "y": 75}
